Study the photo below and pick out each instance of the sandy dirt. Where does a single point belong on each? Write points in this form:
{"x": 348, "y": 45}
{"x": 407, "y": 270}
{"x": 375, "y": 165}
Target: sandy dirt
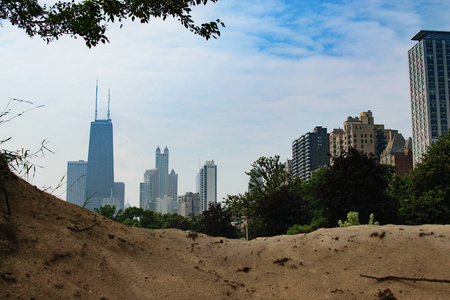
{"x": 51, "y": 249}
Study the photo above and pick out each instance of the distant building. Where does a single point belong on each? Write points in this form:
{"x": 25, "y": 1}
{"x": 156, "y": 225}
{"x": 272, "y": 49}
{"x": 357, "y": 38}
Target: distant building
{"x": 100, "y": 167}
{"x": 173, "y": 188}
{"x": 76, "y": 182}
{"x": 361, "y": 133}
{"x": 164, "y": 205}
{"x": 149, "y": 190}
{"x": 429, "y": 74}
{"x": 188, "y": 203}
{"x": 162, "y": 164}
{"x": 310, "y": 153}
{"x": 208, "y": 185}
{"x": 119, "y": 193}
{"x": 398, "y": 153}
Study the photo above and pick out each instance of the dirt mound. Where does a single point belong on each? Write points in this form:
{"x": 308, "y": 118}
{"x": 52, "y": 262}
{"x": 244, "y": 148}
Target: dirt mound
{"x": 51, "y": 249}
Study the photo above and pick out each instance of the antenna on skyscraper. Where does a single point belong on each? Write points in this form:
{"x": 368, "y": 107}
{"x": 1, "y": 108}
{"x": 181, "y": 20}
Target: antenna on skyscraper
{"x": 96, "y": 98}
{"x": 109, "y": 99}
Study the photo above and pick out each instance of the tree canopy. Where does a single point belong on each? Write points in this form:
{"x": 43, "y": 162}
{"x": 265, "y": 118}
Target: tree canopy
{"x": 429, "y": 184}
{"x": 88, "y": 19}
{"x": 356, "y": 182}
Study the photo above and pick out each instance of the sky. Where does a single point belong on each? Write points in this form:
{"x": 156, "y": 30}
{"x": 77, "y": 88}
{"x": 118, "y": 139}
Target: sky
{"x": 279, "y": 69}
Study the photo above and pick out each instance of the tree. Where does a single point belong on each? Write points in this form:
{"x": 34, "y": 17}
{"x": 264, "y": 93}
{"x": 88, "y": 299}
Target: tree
{"x": 217, "y": 221}
{"x": 89, "y": 18}
{"x": 430, "y": 186}
{"x": 274, "y": 201}
{"x": 175, "y": 221}
{"x": 356, "y": 182}
{"x": 106, "y": 211}
{"x": 281, "y": 209}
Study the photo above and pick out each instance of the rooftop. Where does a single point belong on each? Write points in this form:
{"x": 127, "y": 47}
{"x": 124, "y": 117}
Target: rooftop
{"x": 432, "y": 35}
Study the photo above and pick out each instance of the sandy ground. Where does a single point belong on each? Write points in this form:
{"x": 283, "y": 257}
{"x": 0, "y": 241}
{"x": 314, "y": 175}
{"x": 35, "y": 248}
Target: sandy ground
{"x": 62, "y": 251}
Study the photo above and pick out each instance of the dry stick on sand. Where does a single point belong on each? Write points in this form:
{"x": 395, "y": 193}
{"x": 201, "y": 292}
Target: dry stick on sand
{"x": 379, "y": 279}
{"x": 83, "y": 229}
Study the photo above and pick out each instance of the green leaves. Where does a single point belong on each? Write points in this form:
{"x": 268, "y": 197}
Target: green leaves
{"x": 88, "y": 19}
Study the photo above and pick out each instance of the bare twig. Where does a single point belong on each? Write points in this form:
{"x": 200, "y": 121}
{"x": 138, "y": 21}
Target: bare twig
{"x": 380, "y": 279}
{"x": 83, "y": 229}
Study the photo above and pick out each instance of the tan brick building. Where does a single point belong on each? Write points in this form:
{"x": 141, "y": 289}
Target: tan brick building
{"x": 361, "y": 133}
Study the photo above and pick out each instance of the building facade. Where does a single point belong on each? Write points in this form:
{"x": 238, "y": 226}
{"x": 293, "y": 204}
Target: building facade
{"x": 100, "y": 166}
{"x": 119, "y": 193}
{"x": 208, "y": 185}
{"x": 310, "y": 152}
{"x": 188, "y": 203}
{"x": 76, "y": 182}
{"x": 149, "y": 190}
{"x": 173, "y": 189}
{"x": 429, "y": 75}
{"x": 162, "y": 164}
{"x": 362, "y": 134}
{"x": 398, "y": 153}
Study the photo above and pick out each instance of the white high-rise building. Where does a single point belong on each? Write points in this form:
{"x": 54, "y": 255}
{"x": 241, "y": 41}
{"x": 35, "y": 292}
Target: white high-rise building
{"x": 429, "y": 75}
{"x": 208, "y": 185}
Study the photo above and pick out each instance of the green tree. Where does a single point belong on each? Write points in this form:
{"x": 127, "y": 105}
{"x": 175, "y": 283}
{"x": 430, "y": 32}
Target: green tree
{"x": 216, "y": 221}
{"x": 88, "y": 19}
{"x": 356, "y": 182}
{"x": 430, "y": 186}
{"x": 175, "y": 221}
{"x": 281, "y": 209}
{"x": 274, "y": 201}
{"x": 106, "y": 211}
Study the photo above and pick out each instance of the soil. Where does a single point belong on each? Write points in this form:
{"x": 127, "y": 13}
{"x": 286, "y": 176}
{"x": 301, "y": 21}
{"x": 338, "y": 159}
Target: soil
{"x": 51, "y": 249}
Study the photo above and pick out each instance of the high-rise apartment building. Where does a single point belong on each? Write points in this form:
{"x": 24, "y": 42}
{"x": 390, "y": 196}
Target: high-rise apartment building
{"x": 429, "y": 77}
{"x": 208, "y": 185}
{"x": 76, "y": 182}
{"x": 361, "y": 133}
{"x": 310, "y": 152}
{"x": 162, "y": 164}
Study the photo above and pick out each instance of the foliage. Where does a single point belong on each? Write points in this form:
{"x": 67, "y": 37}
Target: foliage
{"x": 353, "y": 220}
{"x": 430, "y": 186}
{"x": 107, "y": 211}
{"x": 280, "y": 210}
{"x": 356, "y": 182}
{"x": 296, "y": 229}
{"x": 196, "y": 222}
{"x": 274, "y": 201}
{"x": 216, "y": 221}
{"x": 175, "y": 221}
{"x": 309, "y": 194}
{"x": 88, "y": 19}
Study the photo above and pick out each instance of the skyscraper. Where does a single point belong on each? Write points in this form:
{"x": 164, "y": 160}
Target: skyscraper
{"x": 310, "y": 152}
{"x": 208, "y": 185}
{"x": 162, "y": 164}
{"x": 429, "y": 75}
{"x": 100, "y": 167}
{"x": 76, "y": 182}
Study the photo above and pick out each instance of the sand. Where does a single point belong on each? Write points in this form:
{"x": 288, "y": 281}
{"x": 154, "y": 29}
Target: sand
{"x": 62, "y": 251}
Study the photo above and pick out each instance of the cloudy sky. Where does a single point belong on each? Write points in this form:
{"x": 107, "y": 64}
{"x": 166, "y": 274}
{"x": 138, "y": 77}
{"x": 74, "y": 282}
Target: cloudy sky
{"x": 279, "y": 69}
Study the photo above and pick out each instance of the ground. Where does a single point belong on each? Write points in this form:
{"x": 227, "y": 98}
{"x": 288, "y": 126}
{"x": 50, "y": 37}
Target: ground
{"x": 51, "y": 249}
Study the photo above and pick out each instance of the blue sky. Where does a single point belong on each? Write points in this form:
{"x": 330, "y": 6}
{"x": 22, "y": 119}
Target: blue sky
{"x": 279, "y": 69}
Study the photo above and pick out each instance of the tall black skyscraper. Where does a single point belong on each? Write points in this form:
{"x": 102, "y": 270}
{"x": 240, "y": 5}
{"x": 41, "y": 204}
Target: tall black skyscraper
{"x": 100, "y": 167}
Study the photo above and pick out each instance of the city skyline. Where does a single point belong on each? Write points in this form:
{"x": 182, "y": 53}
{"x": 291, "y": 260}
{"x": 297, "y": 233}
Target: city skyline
{"x": 279, "y": 69}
